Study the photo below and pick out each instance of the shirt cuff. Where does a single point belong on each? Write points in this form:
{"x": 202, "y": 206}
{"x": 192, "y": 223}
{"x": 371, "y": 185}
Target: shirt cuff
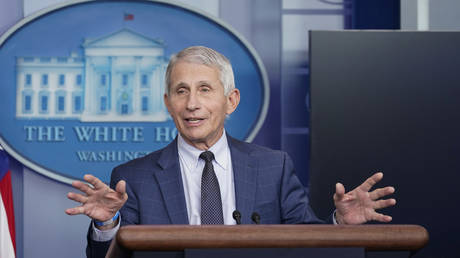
{"x": 334, "y": 220}
{"x": 104, "y": 235}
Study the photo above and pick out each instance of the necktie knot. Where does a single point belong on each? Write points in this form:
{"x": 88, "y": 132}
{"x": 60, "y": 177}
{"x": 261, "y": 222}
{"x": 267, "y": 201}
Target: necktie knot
{"x": 207, "y": 156}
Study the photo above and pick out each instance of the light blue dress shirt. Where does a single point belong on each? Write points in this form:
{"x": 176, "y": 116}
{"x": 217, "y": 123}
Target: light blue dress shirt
{"x": 191, "y": 169}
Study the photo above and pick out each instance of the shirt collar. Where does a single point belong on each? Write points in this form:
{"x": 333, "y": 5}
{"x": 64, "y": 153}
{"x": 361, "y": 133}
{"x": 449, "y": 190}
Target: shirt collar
{"x": 191, "y": 155}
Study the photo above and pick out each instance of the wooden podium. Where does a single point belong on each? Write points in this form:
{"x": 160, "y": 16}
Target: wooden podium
{"x": 212, "y": 241}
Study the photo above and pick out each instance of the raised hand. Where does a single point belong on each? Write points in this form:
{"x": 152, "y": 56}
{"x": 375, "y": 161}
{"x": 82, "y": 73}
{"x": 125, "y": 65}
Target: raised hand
{"x": 98, "y": 202}
{"x": 359, "y": 205}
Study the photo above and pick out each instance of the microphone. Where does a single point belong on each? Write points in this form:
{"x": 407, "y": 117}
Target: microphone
{"x": 237, "y": 216}
{"x": 255, "y": 217}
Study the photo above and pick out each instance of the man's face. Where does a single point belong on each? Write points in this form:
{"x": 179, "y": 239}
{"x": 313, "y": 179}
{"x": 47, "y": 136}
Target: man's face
{"x": 197, "y": 103}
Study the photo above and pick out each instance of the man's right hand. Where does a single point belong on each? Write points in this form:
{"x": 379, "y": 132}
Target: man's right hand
{"x": 99, "y": 202}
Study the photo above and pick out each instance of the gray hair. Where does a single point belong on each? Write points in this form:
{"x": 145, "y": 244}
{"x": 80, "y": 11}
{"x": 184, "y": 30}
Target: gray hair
{"x": 205, "y": 56}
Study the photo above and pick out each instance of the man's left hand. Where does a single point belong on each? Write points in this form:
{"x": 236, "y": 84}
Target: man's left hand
{"x": 359, "y": 205}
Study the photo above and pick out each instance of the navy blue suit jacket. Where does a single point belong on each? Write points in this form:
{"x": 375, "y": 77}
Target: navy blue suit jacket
{"x": 265, "y": 183}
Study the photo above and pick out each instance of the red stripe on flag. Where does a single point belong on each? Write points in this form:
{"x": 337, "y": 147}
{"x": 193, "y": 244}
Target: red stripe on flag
{"x": 129, "y": 17}
{"x": 7, "y": 196}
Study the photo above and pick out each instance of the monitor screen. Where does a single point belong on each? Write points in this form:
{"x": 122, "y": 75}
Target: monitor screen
{"x": 388, "y": 101}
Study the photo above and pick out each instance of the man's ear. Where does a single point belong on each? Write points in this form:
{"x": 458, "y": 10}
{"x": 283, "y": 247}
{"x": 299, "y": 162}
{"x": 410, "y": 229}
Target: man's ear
{"x": 233, "y": 99}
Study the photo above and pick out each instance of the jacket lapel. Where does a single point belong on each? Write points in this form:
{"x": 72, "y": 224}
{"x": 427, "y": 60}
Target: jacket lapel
{"x": 170, "y": 183}
{"x": 245, "y": 177}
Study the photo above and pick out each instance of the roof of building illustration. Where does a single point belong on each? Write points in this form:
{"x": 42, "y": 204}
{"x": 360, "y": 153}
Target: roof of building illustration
{"x": 123, "y": 38}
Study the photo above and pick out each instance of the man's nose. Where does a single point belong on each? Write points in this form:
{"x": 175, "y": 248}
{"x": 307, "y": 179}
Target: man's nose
{"x": 193, "y": 101}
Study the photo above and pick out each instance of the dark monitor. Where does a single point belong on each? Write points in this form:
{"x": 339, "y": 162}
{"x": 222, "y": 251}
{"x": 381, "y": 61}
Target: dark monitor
{"x": 389, "y": 101}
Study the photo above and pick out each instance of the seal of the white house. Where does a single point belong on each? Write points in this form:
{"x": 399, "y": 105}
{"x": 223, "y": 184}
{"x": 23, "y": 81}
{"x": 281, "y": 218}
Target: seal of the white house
{"x": 82, "y": 83}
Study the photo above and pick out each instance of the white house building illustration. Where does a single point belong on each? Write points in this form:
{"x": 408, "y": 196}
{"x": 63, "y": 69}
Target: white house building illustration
{"x": 119, "y": 78}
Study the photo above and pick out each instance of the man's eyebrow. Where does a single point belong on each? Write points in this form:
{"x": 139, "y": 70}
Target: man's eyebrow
{"x": 204, "y": 82}
{"x": 180, "y": 85}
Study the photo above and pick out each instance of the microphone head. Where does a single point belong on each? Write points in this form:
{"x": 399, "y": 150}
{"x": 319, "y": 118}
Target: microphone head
{"x": 236, "y": 214}
{"x": 255, "y": 217}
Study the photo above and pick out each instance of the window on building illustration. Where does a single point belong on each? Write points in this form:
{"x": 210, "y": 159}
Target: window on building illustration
{"x": 61, "y": 80}
{"x": 44, "y": 104}
{"x": 45, "y": 59}
{"x": 27, "y": 99}
{"x": 77, "y": 104}
{"x": 60, "y": 104}
{"x": 125, "y": 79}
{"x": 124, "y": 109}
{"x": 28, "y": 79}
{"x": 103, "y": 106}
{"x": 145, "y": 104}
{"x": 144, "y": 80}
{"x": 103, "y": 79}
{"x": 78, "y": 79}
{"x": 27, "y": 103}
{"x": 45, "y": 79}
{"x": 62, "y": 59}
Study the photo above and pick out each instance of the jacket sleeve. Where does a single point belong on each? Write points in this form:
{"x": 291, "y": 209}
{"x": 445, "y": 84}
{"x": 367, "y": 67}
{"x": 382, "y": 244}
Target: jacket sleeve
{"x": 129, "y": 215}
{"x": 96, "y": 249}
{"x": 295, "y": 205}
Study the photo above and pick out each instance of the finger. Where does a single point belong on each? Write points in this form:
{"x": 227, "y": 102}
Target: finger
{"x": 384, "y": 204}
{"x": 381, "y": 218}
{"x": 121, "y": 187}
{"x": 339, "y": 192}
{"x": 371, "y": 181}
{"x": 82, "y": 187}
{"x": 381, "y": 192}
{"x": 75, "y": 210}
{"x": 77, "y": 197}
{"x": 96, "y": 182}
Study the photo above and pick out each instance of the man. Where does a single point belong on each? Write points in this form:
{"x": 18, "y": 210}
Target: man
{"x": 204, "y": 175}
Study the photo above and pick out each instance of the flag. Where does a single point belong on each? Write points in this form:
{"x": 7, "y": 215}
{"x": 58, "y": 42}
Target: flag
{"x": 7, "y": 231}
{"x": 129, "y": 17}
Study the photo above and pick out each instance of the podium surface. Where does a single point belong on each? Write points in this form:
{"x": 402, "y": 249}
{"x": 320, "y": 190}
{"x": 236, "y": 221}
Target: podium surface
{"x": 151, "y": 238}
